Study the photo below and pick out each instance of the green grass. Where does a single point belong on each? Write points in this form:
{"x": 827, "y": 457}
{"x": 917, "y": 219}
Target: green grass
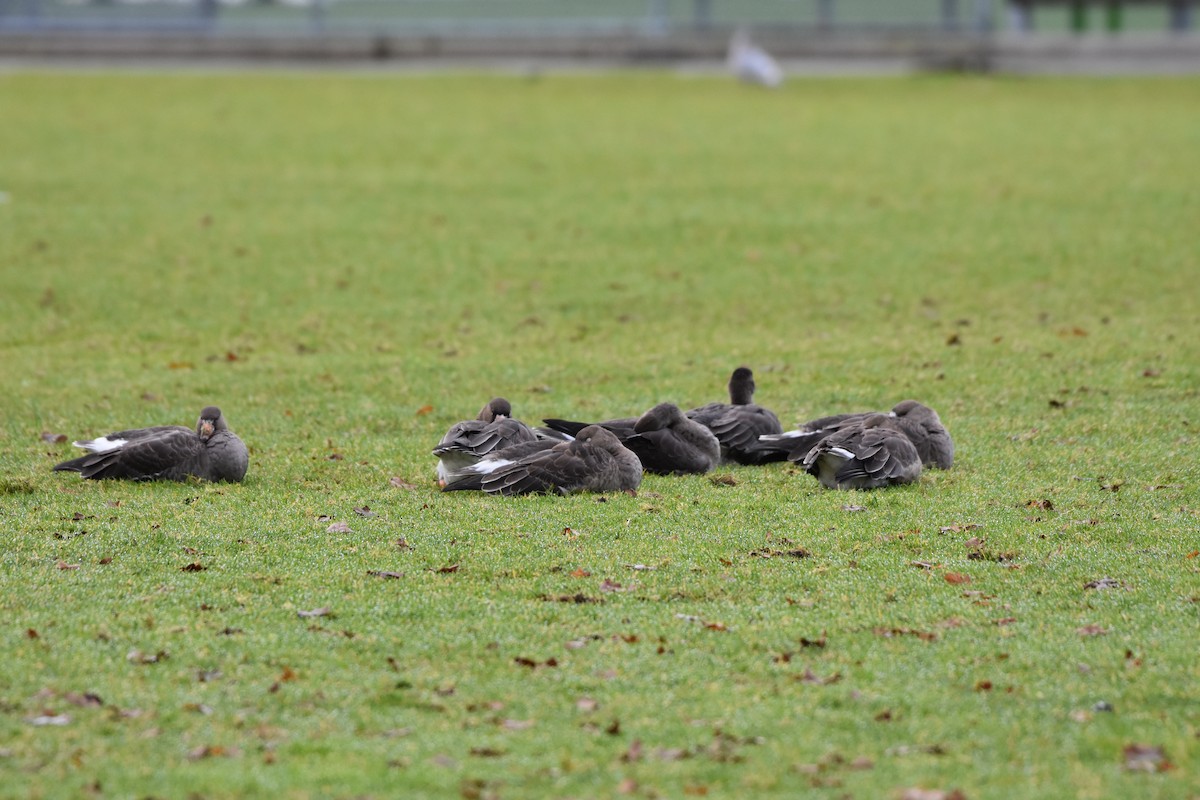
{"x": 347, "y": 265}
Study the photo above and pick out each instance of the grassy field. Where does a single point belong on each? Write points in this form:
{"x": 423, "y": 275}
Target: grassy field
{"x": 347, "y": 265}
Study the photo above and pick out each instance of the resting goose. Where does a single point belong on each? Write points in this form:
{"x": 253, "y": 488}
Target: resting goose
{"x": 923, "y": 426}
{"x": 919, "y": 422}
{"x": 664, "y": 439}
{"x": 468, "y": 441}
{"x": 739, "y": 423}
{"x": 594, "y": 461}
{"x": 868, "y": 455}
{"x": 210, "y": 452}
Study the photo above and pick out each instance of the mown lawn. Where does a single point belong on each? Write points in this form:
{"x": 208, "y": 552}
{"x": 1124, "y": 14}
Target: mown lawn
{"x": 349, "y": 264}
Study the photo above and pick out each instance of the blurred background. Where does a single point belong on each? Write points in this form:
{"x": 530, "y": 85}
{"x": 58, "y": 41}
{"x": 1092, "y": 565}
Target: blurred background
{"x": 1095, "y": 35}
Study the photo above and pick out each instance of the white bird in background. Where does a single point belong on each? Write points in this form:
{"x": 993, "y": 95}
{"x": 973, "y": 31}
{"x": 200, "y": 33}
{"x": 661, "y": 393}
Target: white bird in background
{"x": 750, "y": 63}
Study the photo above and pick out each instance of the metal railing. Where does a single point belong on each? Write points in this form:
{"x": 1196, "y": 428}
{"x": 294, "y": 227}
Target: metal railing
{"x": 647, "y": 18}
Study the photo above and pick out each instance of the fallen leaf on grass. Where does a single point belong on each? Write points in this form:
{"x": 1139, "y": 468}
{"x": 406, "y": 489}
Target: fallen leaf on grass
{"x": 612, "y": 586}
{"x": 1145, "y": 758}
{"x": 379, "y": 573}
{"x": 138, "y": 657}
{"x": 64, "y": 565}
{"x": 57, "y": 720}
{"x": 578, "y": 597}
{"x": 798, "y": 552}
{"x": 1105, "y": 583}
{"x": 716, "y": 480}
{"x": 444, "y": 570}
{"x": 399, "y": 483}
{"x": 531, "y": 664}
{"x": 888, "y": 633}
{"x": 53, "y": 438}
{"x": 516, "y": 724}
{"x": 853, "y": 509}
{"x": 580, "y": 573}
{"x": 810, "y": 677}
{"x": 712, "y": 626}
{"x": 917, "y": 793}
{"x": 1045, "y": 505}
{"x": 338, "y": 527}
{"x": 487, "y": 752}
{"x": 195, "y": 566}
{"x": 639, "y": 567}
{"x": 586, "y": 704}
{"x": 212, "y": 751}
{"x": 365, "y": 512}
{"x": 316, "y": 612}
{"x": 957, "y": 577}
{"x": 922, "y": 564}
{"x": 1092, "y": 630}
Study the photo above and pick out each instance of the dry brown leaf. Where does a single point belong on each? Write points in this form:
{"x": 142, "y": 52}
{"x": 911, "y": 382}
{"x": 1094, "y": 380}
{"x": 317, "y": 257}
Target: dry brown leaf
{"x": 917, "y": 793}
{"x": 1145, "y": 758}
{"x": 338, "y": 527}
{"x": 316, "y": 612}
{"x": 1092, "y": 630}
{"x": 957, "y": 577}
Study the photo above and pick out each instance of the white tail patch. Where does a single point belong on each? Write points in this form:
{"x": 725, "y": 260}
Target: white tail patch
{"x": 102, "y": 445}
{"x": 488, "y": 466}
{"x": 842, "y": 452}
{"x": 779, "y": 437}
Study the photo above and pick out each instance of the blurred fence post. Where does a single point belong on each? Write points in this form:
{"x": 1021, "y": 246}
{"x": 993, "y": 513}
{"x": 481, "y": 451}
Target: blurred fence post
{"x": 950, "y": 15}
{"x": 1181, "y": 15}
{"x": 206, "y": 11}
{"x": 825, "y": 14}
{"x": 983, "y": 16}
{"x": 658, "y": 17}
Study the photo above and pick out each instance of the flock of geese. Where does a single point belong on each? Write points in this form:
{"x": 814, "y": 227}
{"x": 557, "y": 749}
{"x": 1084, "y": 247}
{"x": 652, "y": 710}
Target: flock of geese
{"x": 497, "y": 454}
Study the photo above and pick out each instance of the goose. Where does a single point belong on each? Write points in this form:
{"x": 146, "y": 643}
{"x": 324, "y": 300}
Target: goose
{"x": 868, "y": 455}
{"x": 470, "y": 440}
{"x": 750, "y": 63}
{"x": 593, "y": 461}
{"x": 210, "y": 452}
{"x": 663, "y": 438}
{"x": 917, "y": 421}
{"x": 739, "y": 423}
